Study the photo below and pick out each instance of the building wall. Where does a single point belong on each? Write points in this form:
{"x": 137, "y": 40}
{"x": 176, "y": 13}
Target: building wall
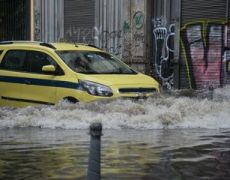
{"x": 204, "y": 44}
{"x": 191, "y": 46}
{"x": 119, "y": 27}
{"x": 166, "y": 39}
{"x": 133, "y": 30}
{"x": 48, "y": 20}
{"x": 123, "y": 32}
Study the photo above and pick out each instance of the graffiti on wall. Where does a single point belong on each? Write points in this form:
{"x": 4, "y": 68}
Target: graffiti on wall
{"x": 81, "y": 34}
{"x": 206, "y": 51}
{"x": 163, "y": 37}
{"x": 138, "y": 19}
{"x": 126, "y": 42}
{"x": 118, "y": 42}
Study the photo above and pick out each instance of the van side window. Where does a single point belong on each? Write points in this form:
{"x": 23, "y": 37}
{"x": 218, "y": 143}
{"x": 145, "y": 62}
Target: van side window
{"x": 13, "y": 60}
{"x": 28, "y": 61}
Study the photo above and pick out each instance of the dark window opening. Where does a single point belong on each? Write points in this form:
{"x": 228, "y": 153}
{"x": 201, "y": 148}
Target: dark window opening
{"x": 14, "y": 20}
{"x": 28, "y": 61}
{"x": 13, "y": 60}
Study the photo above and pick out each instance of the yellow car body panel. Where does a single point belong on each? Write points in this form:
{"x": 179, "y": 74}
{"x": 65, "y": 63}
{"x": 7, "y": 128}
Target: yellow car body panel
{"x": 21, "y": 89}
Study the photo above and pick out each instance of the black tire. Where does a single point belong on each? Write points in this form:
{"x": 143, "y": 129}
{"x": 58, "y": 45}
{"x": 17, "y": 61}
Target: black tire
{"x": 71, "y": 100}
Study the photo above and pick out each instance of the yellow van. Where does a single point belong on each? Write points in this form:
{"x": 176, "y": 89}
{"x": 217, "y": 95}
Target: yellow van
{"x": 41, "y": 73}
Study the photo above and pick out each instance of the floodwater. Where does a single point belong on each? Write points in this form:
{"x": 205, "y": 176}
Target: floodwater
{"x": 183, "y": 135}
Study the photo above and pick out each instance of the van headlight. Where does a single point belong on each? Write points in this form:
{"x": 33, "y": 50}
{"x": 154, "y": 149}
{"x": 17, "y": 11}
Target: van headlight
{"x": 95, "y": 88}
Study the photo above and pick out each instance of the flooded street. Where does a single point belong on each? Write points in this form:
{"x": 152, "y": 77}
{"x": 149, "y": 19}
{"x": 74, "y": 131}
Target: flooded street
{"x": 126, "y": 154}
{"x": 165, "y": 137}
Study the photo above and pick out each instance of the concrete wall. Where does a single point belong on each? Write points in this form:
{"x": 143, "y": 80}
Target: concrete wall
{"x": 48, "y": 20}
{"x": 119, "y": 29}
{"x": 134, "y": 26}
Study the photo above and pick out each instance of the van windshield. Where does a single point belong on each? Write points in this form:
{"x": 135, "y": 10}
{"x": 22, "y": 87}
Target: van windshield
{"x": 93, "y": 62}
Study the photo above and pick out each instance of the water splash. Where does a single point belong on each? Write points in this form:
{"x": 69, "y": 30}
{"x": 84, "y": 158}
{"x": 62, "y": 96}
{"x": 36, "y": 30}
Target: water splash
{"x": 163, "y": 111}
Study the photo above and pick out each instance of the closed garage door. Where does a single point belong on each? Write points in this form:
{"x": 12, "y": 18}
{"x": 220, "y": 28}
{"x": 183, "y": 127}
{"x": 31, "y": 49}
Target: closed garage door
{"x": 202, "y": 35}
{"x": 202, "y": 9}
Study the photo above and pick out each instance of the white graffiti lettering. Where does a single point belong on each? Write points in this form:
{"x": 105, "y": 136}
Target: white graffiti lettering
{"x": 162, "y": 36}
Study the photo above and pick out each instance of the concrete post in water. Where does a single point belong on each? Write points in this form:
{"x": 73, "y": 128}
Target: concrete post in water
{"x": 211, "y": 92}
{"x": 94, "y": 166}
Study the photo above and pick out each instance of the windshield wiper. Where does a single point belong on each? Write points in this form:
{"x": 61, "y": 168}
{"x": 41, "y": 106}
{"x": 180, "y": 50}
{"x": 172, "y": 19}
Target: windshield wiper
{"x": 90, "y": 72}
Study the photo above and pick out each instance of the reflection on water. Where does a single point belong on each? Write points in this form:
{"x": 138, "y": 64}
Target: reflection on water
{"x": 33, "y": 153}
{"x": 41, "y": 154}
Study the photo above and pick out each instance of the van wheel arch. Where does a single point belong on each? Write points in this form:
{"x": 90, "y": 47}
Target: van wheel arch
{"x": 71, "y": 100}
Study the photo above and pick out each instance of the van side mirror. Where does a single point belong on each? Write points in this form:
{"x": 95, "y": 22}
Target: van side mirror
{"x": 49, "y": 69}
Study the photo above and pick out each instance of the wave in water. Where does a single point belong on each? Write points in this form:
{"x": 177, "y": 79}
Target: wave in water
{"x": 163, "y": 111}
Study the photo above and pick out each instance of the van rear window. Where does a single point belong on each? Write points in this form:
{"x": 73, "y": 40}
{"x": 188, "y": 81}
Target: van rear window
{"x": 13, "y": 60}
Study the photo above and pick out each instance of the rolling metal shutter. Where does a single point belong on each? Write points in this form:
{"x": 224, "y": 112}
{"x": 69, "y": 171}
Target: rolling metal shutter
{"x": 79, "y": 20}
{"x": 196, "y": 58}
{"x": 202, "y": 9}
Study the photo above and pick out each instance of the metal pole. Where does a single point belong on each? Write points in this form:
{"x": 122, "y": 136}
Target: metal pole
{"x": 94, "y": 166}
{"x": 227, "y": 9}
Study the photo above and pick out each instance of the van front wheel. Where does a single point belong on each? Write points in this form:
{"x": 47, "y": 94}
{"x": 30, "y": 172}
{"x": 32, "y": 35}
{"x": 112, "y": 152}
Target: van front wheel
{"x": 71, "y": 100}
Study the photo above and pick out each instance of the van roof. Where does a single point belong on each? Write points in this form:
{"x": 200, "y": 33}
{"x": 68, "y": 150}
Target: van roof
{"x": 59, "y": 46}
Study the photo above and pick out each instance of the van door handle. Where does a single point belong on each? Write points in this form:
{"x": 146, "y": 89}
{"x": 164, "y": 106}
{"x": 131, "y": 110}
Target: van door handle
{"x": 27, "y": 82}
